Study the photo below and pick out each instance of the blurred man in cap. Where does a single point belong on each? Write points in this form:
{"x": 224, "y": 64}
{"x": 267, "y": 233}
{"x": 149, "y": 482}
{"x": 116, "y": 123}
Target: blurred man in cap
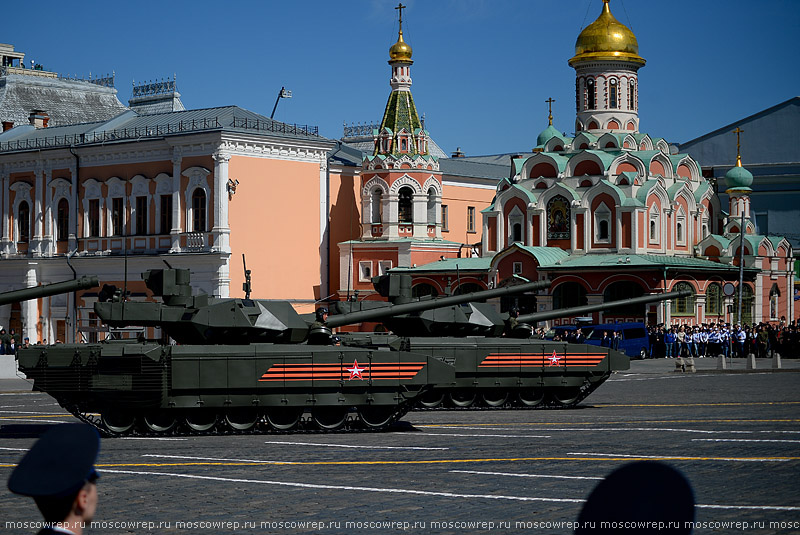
{"x": 58, "y": 473}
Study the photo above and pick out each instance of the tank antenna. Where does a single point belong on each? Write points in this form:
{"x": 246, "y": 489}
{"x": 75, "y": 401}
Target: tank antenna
{"x": 246, "y": 286}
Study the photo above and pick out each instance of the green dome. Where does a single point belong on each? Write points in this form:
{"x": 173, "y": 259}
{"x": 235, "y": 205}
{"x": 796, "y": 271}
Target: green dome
{"x": 739, "y": 178}
{"x": 547, "y": 134}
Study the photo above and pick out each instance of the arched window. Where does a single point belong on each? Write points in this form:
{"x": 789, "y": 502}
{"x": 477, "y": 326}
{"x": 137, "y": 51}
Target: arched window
{"x": 24, "y": 223}
{"x": 568, "y": 295}
{"x": 590, "y": 94}
{"x": 683, "y": 306}
{"x": 431, "y": 206}
{"x": 620, "y": 290}
{"x": 577, "y": 95}
{"x": 653, "y": 234}
{"x": 516, "y": 232}
{"x": 774, "y": 295}
{"x": 423, "y": 289}
{"x": 62, "y": 220}
{"x": 405, "y": 205}
{"x": 679, "y": 233}
{"x": 613, "y": 91}
{"x": 632, "y": 96}
{"x": 713, "y": 300}
{"x": 603, "y": 232}
{"x": 377, "y": 206}
{"x": 199, "y": 210}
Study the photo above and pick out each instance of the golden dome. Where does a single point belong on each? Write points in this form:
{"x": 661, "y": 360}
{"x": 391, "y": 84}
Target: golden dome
{"x": 608, "y": 39}
{"x": 400, "y": 51}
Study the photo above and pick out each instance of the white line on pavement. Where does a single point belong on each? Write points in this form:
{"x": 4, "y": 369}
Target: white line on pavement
{"x": 350, "y": 446}
{"x": 417, "y": 492}
{"x": 678, "y": 457}
{"x": 742, "y": 440}
{"x": 519, "y": 475}
{"x": 186, "y": 458}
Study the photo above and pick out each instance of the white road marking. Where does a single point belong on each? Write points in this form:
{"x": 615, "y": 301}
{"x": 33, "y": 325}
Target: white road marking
{"x": 14, "y": 449}
{"x": 37, "y": 420}
{"x": 152, "y": 438}
{"x": 674, "y": 457}
{"x": 27, "y": 412}
{"x": 481, "y": 435}
{"x": 186, "y": 458}
{"x": 742, "y": 440}
{"x": 349, "y": 446}
{"x": 416, "y": 492}
{"x": 347, "y": 487}
{"x": 519, "y": 475}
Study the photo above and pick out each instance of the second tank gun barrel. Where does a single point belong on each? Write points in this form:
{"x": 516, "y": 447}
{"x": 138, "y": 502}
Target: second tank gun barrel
{"x": 340, "y": 320}
{"x": 46, "y": 290}
{"x": 577, "y": 311}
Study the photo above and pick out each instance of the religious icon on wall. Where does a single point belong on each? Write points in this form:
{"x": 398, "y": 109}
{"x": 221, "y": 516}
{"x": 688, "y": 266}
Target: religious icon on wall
{"x": 558, "y": 219}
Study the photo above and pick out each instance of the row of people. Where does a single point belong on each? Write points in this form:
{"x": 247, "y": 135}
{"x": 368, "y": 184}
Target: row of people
{"x": 715, "y": 339}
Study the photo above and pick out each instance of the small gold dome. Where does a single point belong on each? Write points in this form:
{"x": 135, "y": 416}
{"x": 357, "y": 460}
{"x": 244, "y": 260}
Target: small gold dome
{"x": 400, "y": 51}
{"x": 607, "y": 38}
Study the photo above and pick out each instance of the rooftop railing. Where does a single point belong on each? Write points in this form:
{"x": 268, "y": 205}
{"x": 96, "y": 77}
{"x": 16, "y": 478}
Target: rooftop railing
{"x": 155, "y": 131}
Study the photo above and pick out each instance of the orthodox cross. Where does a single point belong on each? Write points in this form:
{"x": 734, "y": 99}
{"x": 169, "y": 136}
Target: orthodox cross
{"x": 738, "y": 146}
{"x": 550, "y": 110}
{"x": 400, "y": 7}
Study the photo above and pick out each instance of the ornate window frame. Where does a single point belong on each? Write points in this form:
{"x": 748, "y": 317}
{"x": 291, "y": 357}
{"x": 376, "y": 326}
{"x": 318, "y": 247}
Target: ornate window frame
{"x": 198, "y": 178}
{"x": 23, "y": 194}
{"x": 140, "y": 187}
{"x": 92, "y": 192}
{"x": 602, "y": 214}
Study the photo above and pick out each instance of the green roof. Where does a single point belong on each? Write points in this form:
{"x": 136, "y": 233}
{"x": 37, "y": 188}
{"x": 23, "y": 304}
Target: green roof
{"x": 640, "y": 261}
{"x": 545, "y": 255}
{"x": 400, "y": 113}
{"x": 451, "y": 264}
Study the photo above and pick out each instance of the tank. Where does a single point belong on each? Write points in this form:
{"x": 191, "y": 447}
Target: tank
{"x": 237, "y": 366}
{"x": 497, "y": 363}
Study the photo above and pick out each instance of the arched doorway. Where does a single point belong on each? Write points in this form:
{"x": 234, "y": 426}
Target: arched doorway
{"x": 620, "y": 290}
{"x": 569, "y": 295}
{"x": 424, "y": 289}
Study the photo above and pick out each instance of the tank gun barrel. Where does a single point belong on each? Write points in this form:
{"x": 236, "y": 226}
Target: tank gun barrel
{"x": 339, "y": 320}
{"x": 47, "y": 290}
{"x": 577, "y": 311}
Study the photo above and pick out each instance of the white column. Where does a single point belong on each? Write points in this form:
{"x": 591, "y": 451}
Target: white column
{"x": 635, "y": 231}
{"x": 30, "y": 308}
{"x": 324, "y": 203}
{"x": 6, "y": 239}
{"x": 47, "y": 244}
{"x": 38, "y": 214}
{"x": 175, "y": 232}
{"x": 485, "y": 234}
{"x": 390, "y": 225}
{"x": 420, "y": 210}
{"x": 618, "y": 241}
{"x": 500, "y": 231}
{"x": 221, "y": 231}
{"x": 73, "y": 209}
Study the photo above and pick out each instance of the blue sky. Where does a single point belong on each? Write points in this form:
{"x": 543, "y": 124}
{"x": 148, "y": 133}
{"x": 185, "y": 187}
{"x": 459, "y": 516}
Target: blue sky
{"x": 482, "y": 68}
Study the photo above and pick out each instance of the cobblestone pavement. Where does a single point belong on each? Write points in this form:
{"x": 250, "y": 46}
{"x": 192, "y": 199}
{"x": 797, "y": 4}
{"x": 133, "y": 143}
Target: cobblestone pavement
{"x": 736, "y": 437}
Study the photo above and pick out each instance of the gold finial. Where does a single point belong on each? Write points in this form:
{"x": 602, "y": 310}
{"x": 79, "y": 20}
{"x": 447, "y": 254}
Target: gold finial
{"x": 738, "y": 147}
{"x": 550, "y": 110}
{"x": 400, "y": 7}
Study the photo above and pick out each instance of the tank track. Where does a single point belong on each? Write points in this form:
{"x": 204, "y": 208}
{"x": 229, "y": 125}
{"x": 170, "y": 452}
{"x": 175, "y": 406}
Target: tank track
{"x": 548, "y": 404}
{"x": 306, "y": 425}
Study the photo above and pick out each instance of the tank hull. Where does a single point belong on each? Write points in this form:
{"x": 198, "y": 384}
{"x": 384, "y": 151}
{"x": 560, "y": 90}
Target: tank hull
{"x": 507, "y": 372}
{"x": 149, "y": 388}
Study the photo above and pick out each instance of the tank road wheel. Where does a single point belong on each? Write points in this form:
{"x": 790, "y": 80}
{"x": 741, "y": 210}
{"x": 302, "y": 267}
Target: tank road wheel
{"x": 118, "y": 422}
{"x": 376, "y": 417}
{"x": 495, "y": 397}
{"x": 159, "y": 421}
{"x": 432, "y": 399}
{"x": 531, "y": 397}
{"x": 565, "y": 395}
{"x": 242, "y": 419}
{"x": 329, "y": 418}
{"x": 462, "y": 398}
{"x": 201, "y": 420}
{"x": 284, "y": 418}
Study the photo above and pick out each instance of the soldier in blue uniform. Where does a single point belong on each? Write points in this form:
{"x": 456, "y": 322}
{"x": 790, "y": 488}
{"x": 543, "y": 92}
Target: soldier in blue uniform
{"x": 58, "y": 473}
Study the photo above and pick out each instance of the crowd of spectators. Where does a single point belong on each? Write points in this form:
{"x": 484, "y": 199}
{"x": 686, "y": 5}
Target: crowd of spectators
{"x": 732, "y": 340}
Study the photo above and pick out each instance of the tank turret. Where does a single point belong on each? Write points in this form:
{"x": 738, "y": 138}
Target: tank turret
{"x": 47, "y": 290}
{"x": 201, "y": 319}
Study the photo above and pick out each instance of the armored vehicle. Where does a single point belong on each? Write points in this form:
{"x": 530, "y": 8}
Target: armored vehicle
{"x": 497, "y": 362}
{"x": 238, "y": 365}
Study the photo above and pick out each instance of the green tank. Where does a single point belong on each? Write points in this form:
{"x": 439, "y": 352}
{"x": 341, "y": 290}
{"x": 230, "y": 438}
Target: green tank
{"x": 497, "y": 362}
{"x": 237, "y": 365}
